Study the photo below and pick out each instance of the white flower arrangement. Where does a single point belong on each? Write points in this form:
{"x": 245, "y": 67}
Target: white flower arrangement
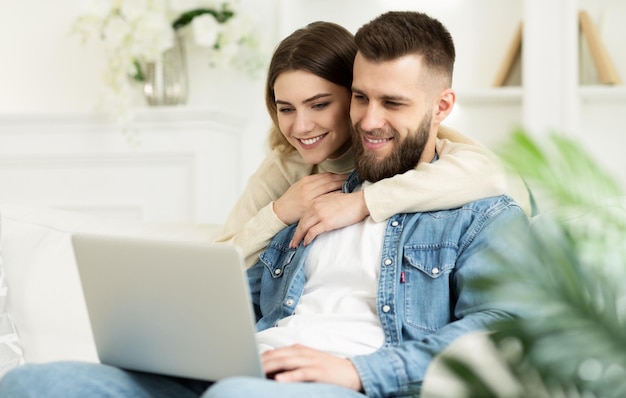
{"x": 136, "y": 32}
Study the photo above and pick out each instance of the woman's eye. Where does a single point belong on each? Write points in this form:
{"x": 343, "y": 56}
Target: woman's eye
{"x": 321, "y": 105}
{"x": 285, "y": 110}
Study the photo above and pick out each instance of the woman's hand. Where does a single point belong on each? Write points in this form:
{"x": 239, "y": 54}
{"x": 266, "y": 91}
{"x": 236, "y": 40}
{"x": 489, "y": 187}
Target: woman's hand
{"x": 329, "y": 212}
{"x": 300, "y": 196}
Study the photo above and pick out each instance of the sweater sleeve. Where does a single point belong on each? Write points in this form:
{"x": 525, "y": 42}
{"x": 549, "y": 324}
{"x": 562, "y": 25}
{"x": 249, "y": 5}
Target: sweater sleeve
{"x": 466, "y": 171}
{"x": 252, "y": 222}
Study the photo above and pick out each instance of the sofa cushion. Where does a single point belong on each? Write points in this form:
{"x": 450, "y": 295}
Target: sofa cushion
{"x": 10, "y": 349}
{"x": 45, "y": 295}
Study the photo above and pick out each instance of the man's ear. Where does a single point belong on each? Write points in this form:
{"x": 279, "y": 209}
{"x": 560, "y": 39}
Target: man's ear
{"x": 443, "y": 105}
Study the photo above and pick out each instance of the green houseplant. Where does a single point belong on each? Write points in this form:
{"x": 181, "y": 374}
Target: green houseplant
{"x": 569, "y": 279}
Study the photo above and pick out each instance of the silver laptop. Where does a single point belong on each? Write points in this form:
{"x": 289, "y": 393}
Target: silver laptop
{"x": 175, "y": 308}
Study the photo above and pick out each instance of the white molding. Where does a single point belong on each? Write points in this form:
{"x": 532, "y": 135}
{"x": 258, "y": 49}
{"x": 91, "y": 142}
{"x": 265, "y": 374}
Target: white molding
{"x": 125, "y": 210}
{"x": 148, "y": 119}
{"x": 122, "y": 160}
{"x": 198, "y": 150}
{"x": 34, "y": 167}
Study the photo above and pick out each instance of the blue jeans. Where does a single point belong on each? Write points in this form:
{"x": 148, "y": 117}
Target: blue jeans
{"x": 79, "y": 380}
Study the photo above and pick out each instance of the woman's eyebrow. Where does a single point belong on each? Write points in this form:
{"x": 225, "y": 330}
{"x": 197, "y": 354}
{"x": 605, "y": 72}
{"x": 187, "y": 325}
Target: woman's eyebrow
{"x": 316, "y": 97}
{"x": 307, "y": 100}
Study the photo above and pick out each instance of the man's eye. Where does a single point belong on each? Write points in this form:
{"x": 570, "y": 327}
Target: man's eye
{"x": 360, "y": 98}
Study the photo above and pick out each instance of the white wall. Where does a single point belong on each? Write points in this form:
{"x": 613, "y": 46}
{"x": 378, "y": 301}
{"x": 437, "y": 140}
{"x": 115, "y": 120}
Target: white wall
{"x": 46, "y": 71}
{"x": 481, "y": 29}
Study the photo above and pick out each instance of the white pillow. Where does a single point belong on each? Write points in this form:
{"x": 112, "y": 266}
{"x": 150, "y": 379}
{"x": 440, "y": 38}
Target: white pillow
{"x": 10, "y": 349}
{"x": 45, "y": 295}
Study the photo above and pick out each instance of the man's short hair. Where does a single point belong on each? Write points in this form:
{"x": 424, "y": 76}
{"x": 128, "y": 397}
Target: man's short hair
{"x": 398, "y": 33}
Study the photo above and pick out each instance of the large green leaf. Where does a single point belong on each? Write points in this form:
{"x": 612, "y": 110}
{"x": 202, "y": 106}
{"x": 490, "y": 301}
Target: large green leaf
{"x": 568, "y": 277}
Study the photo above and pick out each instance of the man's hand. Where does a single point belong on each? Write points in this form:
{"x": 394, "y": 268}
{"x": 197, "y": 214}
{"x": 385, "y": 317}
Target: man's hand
{"x": 299, "y": 197}
{"x": 329, "y": 212}
{"x": 298, "y": 363}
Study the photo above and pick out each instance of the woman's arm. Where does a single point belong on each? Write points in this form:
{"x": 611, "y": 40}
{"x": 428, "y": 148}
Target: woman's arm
{"x": 252, "y": 223}
{"x": 466, "y": 171}
{"x": 276, "y": 196}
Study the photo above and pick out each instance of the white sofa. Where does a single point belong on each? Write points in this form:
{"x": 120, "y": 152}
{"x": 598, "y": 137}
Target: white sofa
{"x": 45, "y": 304}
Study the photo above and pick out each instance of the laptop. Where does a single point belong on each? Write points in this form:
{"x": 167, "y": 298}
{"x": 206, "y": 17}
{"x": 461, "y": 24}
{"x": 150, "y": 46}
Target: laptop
{"x": 168, "y": 307}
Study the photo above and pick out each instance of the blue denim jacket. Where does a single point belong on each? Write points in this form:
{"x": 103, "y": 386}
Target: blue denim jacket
{"x": 423, "y": 300}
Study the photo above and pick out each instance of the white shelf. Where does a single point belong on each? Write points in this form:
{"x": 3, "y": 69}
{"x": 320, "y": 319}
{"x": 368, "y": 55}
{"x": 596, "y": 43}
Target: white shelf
{"x": 512, "y": 95}
{"x": 603, "y": 94}
{"x": 509, "y": 95}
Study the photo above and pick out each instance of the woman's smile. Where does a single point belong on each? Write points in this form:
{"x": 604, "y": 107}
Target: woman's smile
{"x": 310, "y": 141}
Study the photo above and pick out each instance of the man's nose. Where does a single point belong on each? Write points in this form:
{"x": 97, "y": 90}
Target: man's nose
{"x": 373, "y": 118}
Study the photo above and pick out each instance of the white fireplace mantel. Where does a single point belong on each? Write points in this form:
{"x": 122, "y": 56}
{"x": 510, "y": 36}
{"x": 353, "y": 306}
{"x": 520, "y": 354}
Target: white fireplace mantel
{"x": 176, "y": 164}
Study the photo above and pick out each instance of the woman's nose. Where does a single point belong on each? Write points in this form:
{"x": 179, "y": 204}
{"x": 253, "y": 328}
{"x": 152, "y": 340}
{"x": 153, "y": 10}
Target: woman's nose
{"x": 304, "y": 123}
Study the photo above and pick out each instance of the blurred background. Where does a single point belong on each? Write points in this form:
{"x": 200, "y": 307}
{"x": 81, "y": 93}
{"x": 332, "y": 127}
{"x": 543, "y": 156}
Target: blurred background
{"x": 68, "y": 140}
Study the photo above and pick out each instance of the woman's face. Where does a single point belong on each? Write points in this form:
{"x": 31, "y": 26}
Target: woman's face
{"x": 313, "y": 114}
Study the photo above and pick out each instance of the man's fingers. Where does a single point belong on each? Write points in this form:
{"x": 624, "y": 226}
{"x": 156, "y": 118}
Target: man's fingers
{"x": 296, "y": 375}
{"x": 293, "y": 363}
{"x": 298, "y": 363}
{"x": 284, "y": 359}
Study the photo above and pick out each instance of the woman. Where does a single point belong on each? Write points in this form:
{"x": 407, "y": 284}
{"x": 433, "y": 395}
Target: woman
{"x": 307, "y": 94}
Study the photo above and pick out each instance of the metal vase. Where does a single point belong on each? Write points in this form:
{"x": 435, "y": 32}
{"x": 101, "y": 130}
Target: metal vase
{"x": 166, "y": 78}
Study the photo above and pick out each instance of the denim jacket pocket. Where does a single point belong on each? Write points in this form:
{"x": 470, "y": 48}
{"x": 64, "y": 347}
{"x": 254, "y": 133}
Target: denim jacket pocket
{"x": 426, "y": 285}
{"x": 276, "y": 258}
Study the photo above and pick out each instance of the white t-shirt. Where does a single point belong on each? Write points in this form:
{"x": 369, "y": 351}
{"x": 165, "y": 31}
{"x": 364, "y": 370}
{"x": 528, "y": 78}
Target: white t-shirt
{"x": 337, "y": 311}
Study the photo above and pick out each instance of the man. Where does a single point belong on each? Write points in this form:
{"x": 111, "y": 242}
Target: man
{"x": 387, "y": 297}
{"x": 364, "y": 309}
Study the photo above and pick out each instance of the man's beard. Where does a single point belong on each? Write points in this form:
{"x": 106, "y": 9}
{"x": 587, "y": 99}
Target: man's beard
{"x": 403, "y": 157}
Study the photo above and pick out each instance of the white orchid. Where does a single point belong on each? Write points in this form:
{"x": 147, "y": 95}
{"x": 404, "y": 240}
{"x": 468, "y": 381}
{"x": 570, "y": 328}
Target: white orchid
{"x": 152, "y": 35}
{"x": 206, "y": 30}
{"x": 133, "y": 10}
{"x": 227, "y": 33}
{"x": 136, "y": 32}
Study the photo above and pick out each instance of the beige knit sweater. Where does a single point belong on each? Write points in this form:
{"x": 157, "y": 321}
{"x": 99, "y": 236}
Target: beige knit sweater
{"x": 465, "y": 171}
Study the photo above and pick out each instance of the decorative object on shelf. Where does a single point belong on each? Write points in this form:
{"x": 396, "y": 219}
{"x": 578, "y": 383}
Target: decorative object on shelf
{"x": 165, "y": 79}
{"x": 144, "y": 39}
{"x": 606, "y": 70}
{"x": 511, "y": 62}
{"x": 601, "y": 58}
{"x": 131, "y": 32}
